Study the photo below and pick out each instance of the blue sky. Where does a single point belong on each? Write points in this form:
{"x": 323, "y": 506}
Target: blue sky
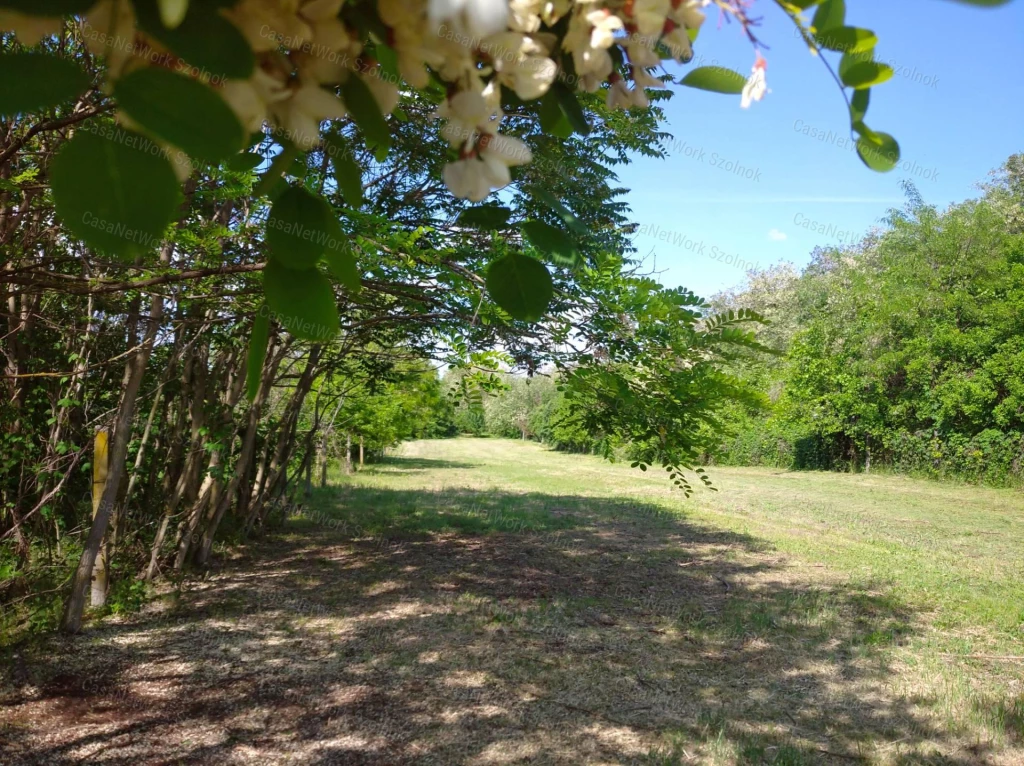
{"x": 749, "y": 187}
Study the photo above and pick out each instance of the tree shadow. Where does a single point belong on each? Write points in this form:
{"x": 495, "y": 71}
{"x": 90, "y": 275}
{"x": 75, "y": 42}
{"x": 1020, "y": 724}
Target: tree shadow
{"x": 391, "y": 464}
{"x": 466, "y": 627}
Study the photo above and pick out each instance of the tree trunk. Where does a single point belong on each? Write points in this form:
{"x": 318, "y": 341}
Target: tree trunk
{"x": 135, "y": 370}
{"x": 245, "y": 457}
{"x": 286, "y": 437}
{"x": 100, "y": 572}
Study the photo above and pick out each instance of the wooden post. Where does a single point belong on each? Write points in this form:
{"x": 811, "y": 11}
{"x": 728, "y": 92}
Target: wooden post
{"x": 100, "y": 463}
{"x": 360, "y": 451}
{"x": 348, "y": 453}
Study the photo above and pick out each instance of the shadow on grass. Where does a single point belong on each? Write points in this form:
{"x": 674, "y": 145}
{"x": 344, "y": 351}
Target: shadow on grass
{"x": 466, "y": 627}
{"x": 416, "y": 464}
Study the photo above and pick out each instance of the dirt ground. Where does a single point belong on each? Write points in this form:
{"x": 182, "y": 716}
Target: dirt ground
{"x": 612, "y": 634}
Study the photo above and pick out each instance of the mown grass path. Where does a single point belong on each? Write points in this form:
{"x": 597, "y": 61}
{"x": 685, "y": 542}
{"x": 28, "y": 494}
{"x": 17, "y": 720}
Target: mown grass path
{"x": 481, "y": 601}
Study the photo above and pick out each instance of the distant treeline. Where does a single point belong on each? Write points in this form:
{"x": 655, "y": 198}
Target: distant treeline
{"x": 903, "y": 352}
{"x": 525, "y": 408}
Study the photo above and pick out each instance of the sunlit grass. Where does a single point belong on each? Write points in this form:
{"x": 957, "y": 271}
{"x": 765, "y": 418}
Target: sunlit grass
{"x": 922, "y": 578}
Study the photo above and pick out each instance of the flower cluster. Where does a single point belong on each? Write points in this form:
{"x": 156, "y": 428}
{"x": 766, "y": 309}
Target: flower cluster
{"x": 306, "y": 52}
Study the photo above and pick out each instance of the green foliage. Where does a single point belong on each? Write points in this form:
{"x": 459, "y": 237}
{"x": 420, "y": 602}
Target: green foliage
{"x": 302, "y": 301}
{"x": 520, "y": 285}
{"x": 182, "y": 112}
{"x": 556, "y": 244}
{"x": 904, "y": 351}
{"x": 97, "y": 200}
{"x": 715, "y": 79}
{"x": 299, "y": 228}
{"x": 205, "y": 39}
{"x": 34, "y": 81}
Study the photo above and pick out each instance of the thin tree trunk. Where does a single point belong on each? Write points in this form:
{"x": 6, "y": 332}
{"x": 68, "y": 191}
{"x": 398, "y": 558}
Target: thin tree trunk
{"x": 244, "y": 458}
{"x": 286, "y": 436}
{"x": 135, "y": 371}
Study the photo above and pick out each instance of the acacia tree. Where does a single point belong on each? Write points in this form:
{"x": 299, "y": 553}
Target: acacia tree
{"x": 184, "y": 164}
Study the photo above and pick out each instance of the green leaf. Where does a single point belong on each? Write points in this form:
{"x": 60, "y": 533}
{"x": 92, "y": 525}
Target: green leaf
{"x": 214, "y": 47}
{"x": 716, "y": 79}
{"x": 571, "y": 107}
{"x": 520, "y": 285}
{"x": 182, "y": 112}
{"x": 347, "y": 173}
{"x": 859, "y": 104}
{"x": 114, "y": 189}
{"x": 48, "y": 8}
{"x": 299, "y": 228}
{"x": 554, "y": 243}
{"x": 33, "y": 81}
{"x": 552, "y": 119}
{"x": 241, "y": 163}
{"x": 830, "y": 14}
{"x": 864, "y": 74}
{"x": 341, "y": 263}
{"x": 551, "y": 203}
{"x": 879, "y": 151}
{"x": 366, "y": 113}
{"x": 302, "y": 301}
{"x": 847, "y": 39}
{"x": 257, "y": 351}
{"x": 485, "y": 217}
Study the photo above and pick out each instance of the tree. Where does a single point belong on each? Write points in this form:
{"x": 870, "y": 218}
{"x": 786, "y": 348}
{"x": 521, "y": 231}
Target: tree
{"x": 902, "y": 350}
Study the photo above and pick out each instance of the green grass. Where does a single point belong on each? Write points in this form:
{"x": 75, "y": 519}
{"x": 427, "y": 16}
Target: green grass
{"x": 480, "y": 601}
{"x": 953, "y": 550}
{"x": 912, "y": 577}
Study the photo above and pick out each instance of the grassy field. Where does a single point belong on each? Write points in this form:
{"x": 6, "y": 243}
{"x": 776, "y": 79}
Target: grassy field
{"x": 481, "y": 601}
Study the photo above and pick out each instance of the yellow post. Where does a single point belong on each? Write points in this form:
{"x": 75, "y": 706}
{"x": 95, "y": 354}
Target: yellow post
{"x": 100, "y": 462}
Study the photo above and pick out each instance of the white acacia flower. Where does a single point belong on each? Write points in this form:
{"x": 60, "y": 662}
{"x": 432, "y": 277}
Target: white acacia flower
{"x": 250, "y": 99}
{"x": 407, "y": 20}
{"x": 504, "y": 150}
{"x": 678, "y": 43}
{"x": 269, "y": 24}
{"x": 522, "y": 63}
{"x": 593, "y": 65}
{"x": 757, "y": 83}
{"x": 385, "y": 92}
{"x": 688, "y": 13}
{"x": 487, "y": 168}
{"x": 554, "y": 10}
{"x": 641, "y": 53}
{"x": 477, "y": 18}
{"x": 465, "y": 111}
{"x": 648, "y": 16}
{"x": 524, "y": 15}
{"x": 645, "y": 79}
{"x": 605, "y": 25}
{"x": 467, "y": 179}
{"x": 618, "y": 96}
{"x": 301, "y": 114}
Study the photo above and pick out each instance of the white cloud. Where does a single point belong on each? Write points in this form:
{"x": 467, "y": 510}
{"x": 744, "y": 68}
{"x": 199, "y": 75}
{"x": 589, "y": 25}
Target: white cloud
{"x": 777, "y": 236}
